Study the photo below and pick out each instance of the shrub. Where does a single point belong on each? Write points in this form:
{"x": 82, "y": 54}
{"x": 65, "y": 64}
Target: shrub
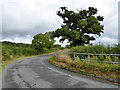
{"x": 100, "y": 58}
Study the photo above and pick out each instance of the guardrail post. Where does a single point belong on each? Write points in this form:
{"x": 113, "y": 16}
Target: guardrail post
{"x": 115, "y": 58}
{"x": 74, "y": 56}
{"x": 88, "y": 57}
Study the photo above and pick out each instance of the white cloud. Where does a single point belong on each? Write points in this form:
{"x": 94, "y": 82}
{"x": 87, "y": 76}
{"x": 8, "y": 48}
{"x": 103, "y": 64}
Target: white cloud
{"x": 30, "y": 17}
{"x": 62, "y": 44}
{"x": 105, "y": 41}
{"x": 26, "y": 39}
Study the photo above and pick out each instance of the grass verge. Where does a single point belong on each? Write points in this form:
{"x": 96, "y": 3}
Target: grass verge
{"x": 111, "y": 71}
{"x": 4, "y": 64}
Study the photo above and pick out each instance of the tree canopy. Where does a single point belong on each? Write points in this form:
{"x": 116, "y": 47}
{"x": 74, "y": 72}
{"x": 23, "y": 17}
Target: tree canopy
{"x": 41, "y": 41}
{"x": 79, "y": 27}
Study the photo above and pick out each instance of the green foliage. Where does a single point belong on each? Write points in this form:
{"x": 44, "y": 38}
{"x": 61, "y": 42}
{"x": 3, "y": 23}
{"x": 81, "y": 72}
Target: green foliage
{"x": 62, "y": 48}
{"x": 97, "y": 49}
{"x": 95, "y": 58}
{"x": 57, "y": 46}
{"x": 101, "y": 58}
{"x": 41, "y": 41}
{"x": 107, "y": 58}
{"x": 15, "y": 44}
{"x": 79, "y": 25}
{"x": 68, "y": 46}
{"x": 11, "y": 51}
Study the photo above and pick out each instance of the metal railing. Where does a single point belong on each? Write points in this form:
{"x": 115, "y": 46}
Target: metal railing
{"x": 74, "y": 57}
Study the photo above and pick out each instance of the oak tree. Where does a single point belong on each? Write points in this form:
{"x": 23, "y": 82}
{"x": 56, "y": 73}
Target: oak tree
{"x": 79, "y": 27}
{"x": 41, "y": 41}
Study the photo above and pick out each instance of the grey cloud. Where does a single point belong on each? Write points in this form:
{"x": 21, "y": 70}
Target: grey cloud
{"x": 30, "y": 17}
{"x": 20, "y": 21}
{"x": 40, "y": 28}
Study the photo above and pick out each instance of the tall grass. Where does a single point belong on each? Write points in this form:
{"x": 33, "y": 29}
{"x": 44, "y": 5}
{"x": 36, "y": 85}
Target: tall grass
{"x": 97, "y": 49}
{"x": 9, "y": 52}
{"x": 12, "y": 52}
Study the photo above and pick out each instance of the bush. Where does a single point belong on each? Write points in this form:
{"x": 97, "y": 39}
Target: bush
{"x": 100, "y": 58}
{"x": 62, "y": 48}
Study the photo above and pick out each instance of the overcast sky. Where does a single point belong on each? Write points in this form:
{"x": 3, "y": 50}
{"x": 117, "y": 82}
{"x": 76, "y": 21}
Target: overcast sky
{"x": 22, "y": 19}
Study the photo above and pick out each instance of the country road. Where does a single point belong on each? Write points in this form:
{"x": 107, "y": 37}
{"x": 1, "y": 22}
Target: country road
{"x": 38, "y": 73}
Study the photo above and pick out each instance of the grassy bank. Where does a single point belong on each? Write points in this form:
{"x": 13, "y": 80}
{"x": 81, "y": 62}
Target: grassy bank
{"x": 5, "y": 63}
{"x": 9, "y": 51}
{"x": 111, "y": 71}
{"x": 12, "y": 52}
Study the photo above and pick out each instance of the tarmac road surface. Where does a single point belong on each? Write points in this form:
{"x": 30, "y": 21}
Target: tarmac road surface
{"x": 38, "y": 73}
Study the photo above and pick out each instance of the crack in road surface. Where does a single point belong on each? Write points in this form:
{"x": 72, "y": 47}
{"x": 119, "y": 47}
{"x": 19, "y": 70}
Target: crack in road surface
{"x": 38, "y": 73}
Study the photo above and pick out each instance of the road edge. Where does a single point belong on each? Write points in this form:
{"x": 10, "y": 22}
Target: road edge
{"x": 86, "y": 74}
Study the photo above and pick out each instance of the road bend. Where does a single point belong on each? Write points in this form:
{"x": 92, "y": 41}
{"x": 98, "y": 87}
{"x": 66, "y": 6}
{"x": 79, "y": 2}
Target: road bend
{"x": 38, "y": 73}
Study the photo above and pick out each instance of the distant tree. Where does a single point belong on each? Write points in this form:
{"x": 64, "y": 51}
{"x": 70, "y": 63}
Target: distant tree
{"x": 67, "y": 46}
{"x": 77, "y": 26}
{"x": 57, "y": 46}
{"x": 41, "y": 41}
{"x": 15, "y": 44}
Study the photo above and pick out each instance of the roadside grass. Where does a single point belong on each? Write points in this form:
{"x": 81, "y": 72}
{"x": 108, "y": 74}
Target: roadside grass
{"x": 10, "y": 54}
{"x": 97, "y": 49}
{"x": 0, "y": 69}
{"x": 6, "y": 63}
{"x": 111, "y": 71}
